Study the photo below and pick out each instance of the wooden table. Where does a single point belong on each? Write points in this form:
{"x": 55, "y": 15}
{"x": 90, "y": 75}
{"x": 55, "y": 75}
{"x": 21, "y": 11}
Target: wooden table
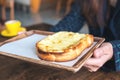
{"x": 13, "y": 69}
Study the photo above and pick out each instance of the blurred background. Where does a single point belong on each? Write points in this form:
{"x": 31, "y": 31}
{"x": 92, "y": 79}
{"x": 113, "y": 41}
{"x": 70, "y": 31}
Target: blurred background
{"x": 31, "y": 12}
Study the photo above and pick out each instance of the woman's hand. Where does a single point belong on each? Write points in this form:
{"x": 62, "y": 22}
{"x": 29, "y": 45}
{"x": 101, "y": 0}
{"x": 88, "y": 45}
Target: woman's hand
{"x": 100, "y": 56}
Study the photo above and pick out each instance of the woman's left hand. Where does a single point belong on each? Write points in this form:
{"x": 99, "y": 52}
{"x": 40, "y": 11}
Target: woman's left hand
{"x": 100, "y": 56}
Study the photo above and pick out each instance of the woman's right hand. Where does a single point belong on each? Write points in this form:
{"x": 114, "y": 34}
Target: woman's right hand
{"x": 100, "y": 56}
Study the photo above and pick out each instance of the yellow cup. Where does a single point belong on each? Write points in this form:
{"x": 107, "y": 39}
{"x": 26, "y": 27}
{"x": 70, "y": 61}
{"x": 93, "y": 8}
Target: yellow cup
{"x": 13, "y": 26}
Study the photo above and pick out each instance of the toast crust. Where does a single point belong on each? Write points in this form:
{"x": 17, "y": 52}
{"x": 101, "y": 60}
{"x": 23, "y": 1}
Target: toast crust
{"x": 69, "y": 53}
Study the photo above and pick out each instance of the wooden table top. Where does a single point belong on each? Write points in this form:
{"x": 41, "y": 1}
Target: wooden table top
{"x": 13, "y": 69}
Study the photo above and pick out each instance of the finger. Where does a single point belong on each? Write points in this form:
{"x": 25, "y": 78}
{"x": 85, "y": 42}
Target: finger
{"x": 92, "y": 61}
{"x": 98, "y": 62}
{"x": 91, "y": 68}
{"x": 98, "y": 52}
{"x": 104, "y": 49}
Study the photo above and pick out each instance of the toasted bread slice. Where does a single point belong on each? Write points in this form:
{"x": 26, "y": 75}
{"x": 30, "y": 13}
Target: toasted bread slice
{"x": 63, "y": 46}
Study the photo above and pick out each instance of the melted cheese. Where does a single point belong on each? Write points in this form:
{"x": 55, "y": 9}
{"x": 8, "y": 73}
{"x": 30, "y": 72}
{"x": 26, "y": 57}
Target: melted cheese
{"x": 60, "y": 41}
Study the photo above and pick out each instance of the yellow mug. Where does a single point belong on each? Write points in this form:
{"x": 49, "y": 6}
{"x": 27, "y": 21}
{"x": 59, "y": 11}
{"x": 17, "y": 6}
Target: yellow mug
{"x": 12, "y": 27}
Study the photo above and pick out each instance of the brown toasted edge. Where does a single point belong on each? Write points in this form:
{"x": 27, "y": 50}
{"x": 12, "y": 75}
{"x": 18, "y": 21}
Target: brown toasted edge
{"x": 49, "y": 56}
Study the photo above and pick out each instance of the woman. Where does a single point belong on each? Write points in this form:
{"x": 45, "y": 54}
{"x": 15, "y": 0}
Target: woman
{"x": 103, "y": 20}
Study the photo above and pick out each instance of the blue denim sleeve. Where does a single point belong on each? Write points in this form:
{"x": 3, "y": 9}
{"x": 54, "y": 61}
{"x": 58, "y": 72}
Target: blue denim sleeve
{"x": 116, "y": 50}
{"x": 73, "y": 21}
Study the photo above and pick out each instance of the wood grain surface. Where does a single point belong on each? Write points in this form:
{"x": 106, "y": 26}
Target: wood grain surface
{"x": 14, "y": 69}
